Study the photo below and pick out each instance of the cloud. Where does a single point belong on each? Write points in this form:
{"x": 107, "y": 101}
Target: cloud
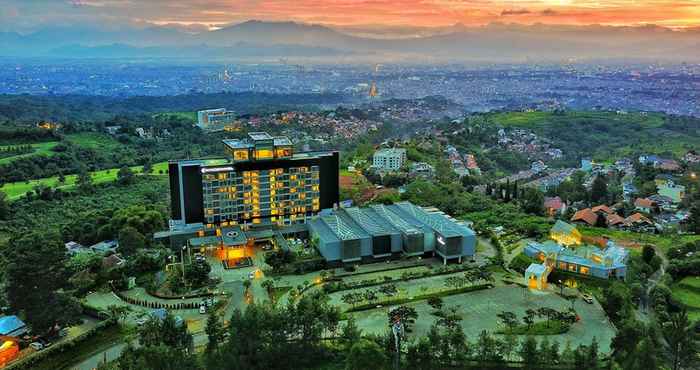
{"x": 510, "y": 12}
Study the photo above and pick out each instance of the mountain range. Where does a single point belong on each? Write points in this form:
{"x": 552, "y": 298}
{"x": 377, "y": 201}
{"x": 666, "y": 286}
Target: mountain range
{"x": 494, "y": 42}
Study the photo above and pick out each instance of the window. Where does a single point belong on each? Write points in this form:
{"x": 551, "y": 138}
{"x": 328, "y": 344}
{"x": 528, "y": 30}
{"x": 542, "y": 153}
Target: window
{"x": 240, "y": 155}
{"x": 263, "y": 154}
{"x": 584, "y": 270}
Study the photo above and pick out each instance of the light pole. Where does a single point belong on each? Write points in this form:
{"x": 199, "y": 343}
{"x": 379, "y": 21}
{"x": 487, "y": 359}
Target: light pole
{"x": 182, "y": 263}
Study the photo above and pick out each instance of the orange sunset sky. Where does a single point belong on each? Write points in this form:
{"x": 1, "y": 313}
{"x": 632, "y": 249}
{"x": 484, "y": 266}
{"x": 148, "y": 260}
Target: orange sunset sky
{"x": 216, "y": 13}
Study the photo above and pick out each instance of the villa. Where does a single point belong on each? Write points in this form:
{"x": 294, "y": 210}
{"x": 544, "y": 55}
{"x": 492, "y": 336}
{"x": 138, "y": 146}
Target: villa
{"x": 605, "y": 262}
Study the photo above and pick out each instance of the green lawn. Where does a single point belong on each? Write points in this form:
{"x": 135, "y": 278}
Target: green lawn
{"x": 553, "y": 327}
{"x": 39, "y": 148}
{"x": 16, "y": 190}
{"x": 687, "y": 292}
{"x": 530, "y": 119}
{"x": 94, "y": 140}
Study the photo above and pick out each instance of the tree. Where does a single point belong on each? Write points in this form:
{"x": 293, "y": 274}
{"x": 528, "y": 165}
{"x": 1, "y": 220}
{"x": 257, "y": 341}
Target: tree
{"x": 648, "y": 253}
{"x": 407, "y": 315}
{"x": 351, "y": 333}
{"x": 36, "y": 274}
{"x": 84, "y": 180}
{"x": 509, "y": 319}
{"x": 130, "y": 240}
{"x": 197, "y": 273}
{"x": 529, "y": 317}
{"x": 528, "y": 352}
{"x": 510, "y": 344}
{"x": 4, "y": 206}
{"x": 366, "y": 354}
{"x": 592, "y": 357}
{"x": 125, "y": 176}
{"x": 487, "y": 347}
{"x": 215, "y": 332}
{"x": 599, "y": 190}
{"x": 533, "y": 202}
{"x": 269, "y": 286}
{"x": 435, "y": 302}
{"x": 681, "y": 339}
{"x": 118, "y": 312}
{"x": 148, "y": 167}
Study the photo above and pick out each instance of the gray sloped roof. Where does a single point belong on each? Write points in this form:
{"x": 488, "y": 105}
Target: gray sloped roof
{"x": 370, "y": 221}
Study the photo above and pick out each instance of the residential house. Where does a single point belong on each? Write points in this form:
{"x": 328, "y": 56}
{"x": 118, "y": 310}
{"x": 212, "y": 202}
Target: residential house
{"x": 691, "y": 157}
{"x": 673, "y": 191}
{"x": 538, "y": 166}
{"x": 664, "y": 179}
{"x": 421, "y": 169}
{"x": 586, "y": 217}
{"x": 586, "y": 165}
{"x": 668, "y": 165}
{"x": 602, "y": 210}
{"x": 554, "y": 206}
{"x": 639, "y": 223}
{"x": 105, "y": 247}
{"x": 74, "y": 248}
{"x": 616, "y": 221}
{"x": 645, "y": 205}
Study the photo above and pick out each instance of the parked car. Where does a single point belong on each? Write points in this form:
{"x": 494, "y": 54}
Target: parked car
{"x": 251, "y": 275}
{"x": 203, "y": 309}
{"x": 587, "y": 298}
{"x": 36, "y": 346}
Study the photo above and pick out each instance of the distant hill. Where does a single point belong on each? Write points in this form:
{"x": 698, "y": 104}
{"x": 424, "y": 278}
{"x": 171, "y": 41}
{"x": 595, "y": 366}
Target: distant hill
{"x": 494, "y": 42}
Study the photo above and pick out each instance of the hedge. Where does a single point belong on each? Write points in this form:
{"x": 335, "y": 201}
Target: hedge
{"x": 444, "y": 293}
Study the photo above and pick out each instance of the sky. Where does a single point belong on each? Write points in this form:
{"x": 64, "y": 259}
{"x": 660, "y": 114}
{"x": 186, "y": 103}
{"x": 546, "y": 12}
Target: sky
{"x": 28, "y": 15}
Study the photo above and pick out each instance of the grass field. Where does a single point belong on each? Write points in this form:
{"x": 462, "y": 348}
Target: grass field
{"x": 531, "y": 119}
{"x": 687, "y": 292}
{"x": 603, "y": 135}
{"x": 39, "y": 148}
{"x": 93, "y": 140}
{"x": 16, "y": 190}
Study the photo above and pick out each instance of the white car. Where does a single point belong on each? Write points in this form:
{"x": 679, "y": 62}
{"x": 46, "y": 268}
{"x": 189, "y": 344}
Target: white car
{"x": 202, "y": 309}
{"x": 36, "y": 346}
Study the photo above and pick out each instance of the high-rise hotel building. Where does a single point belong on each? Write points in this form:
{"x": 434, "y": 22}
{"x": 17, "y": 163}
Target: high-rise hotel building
{"x": 261, "y": 182}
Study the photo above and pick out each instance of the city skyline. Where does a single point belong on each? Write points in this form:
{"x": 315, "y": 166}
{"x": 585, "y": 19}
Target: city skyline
{"x": 201, "y": 15}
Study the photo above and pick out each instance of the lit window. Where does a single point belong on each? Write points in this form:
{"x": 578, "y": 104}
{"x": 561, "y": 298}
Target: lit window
{"x": 240, "y": 155}
{"x": 263, "y": 154}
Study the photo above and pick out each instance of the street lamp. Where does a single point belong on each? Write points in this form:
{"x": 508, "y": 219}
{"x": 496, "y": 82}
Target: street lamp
{"x": 182, "y": 263}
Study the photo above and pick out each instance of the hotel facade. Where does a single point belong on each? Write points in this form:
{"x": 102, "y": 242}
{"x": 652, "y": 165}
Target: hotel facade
{"x": 261, "y": 182}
